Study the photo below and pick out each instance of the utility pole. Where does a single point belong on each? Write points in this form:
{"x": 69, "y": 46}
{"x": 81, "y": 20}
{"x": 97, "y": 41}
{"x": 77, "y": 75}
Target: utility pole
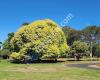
{"x": 91, "y": 50}
{"x": 98, "y": 49}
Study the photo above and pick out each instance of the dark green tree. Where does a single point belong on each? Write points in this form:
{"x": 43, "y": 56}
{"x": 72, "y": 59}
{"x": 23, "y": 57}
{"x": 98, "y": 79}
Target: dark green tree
{"x": 71, "y": 34}
{"x": 6, "y": 44}
{"x": 91, "y": 35}
{"x": 25, "y": 23}
{"x": 6, "y": 50}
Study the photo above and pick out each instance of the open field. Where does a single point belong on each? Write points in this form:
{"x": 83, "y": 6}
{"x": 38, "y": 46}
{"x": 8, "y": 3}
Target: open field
{"x": 45, "y": 71}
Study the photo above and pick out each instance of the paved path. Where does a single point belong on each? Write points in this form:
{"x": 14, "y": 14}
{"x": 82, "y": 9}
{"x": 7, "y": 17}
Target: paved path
{"x": 87, "y": 65}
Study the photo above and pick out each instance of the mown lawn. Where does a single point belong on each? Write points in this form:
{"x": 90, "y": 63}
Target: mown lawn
{"x": 45, "y": 71}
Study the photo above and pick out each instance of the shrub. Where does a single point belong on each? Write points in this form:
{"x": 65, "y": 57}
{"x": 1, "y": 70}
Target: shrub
{"x": 5, "y": 53}
{"x": 16, "y": 57}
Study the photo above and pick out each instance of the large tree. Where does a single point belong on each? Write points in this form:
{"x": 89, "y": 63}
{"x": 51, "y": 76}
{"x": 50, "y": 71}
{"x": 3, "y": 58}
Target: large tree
{"x": 91, "y": 35}
{"x": 43, "y": 37}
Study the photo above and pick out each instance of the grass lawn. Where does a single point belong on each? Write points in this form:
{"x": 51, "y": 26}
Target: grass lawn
{"x": 45, "y": 71}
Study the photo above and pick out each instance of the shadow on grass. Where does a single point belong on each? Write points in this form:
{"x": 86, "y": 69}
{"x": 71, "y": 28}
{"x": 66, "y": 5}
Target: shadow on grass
{"x": 50, "y": 61}
{"x": 75, "y": 60}
{"x": 40, "y": 61}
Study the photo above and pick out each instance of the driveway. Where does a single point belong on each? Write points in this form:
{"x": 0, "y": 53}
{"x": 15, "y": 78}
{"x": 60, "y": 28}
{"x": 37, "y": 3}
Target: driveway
{"x": 85, "y": 65}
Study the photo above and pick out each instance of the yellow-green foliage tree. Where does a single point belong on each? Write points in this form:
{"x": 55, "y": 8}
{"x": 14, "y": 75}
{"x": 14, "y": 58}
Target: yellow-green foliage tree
{"x": 42, "y": 37}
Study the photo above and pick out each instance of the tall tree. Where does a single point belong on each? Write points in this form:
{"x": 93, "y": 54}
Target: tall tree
{"x": 91, "y": 35}
{"x": 6, "y": 44}
{"x": 43, "y": 38}
{"x": 71, "y": 34}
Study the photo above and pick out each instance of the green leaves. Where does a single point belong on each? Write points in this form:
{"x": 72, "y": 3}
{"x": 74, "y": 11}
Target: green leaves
{"x": 79, "y": 49}
{"x": 43, "y": 37}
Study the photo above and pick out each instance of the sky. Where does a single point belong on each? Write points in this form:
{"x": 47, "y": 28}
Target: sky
{"x": 13, "y": 13}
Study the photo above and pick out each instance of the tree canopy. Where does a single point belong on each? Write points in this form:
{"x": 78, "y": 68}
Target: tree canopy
{"x": 71, "y": 34}
{"x": 43, "y": 37}
{"x": 79, "y": 49}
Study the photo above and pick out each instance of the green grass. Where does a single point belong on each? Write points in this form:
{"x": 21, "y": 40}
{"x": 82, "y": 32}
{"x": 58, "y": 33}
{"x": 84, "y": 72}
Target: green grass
{"x": 45, "y": 71}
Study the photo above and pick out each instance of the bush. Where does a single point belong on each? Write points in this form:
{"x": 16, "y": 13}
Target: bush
{"x": 5, "y": 53}
{"x": 16, "y": 57}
